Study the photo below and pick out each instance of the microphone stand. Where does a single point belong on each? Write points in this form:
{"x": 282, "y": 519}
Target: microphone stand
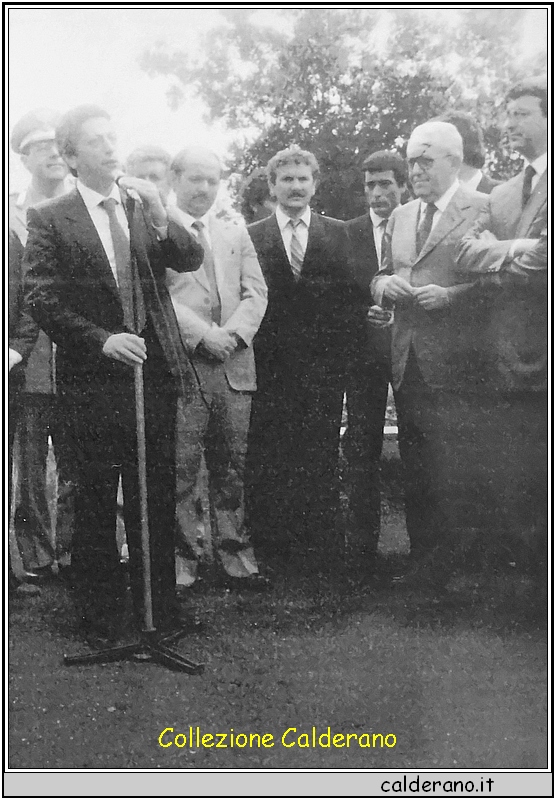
{"x": 150, "y": 647}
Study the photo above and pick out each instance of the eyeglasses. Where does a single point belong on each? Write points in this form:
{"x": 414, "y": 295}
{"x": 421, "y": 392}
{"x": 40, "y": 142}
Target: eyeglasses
{"x": 423, "y": 162}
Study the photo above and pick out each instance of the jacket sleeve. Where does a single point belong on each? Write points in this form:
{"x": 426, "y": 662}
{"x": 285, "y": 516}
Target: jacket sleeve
{"x": 477, "y": 256}
{"x": 247, "y": 317}
{"x": 23, "y": 330}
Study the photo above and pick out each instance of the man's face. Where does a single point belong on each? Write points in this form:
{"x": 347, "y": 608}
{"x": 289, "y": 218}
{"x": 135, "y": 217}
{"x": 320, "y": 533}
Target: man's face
{"x": 527, "y": 126}
{"x": 294, "y": 188}
{"x": 431, "y": 170}
{"x": 95, "y": 159}
{"x": 154, "y": 171}
{"x": 196, "y": 186}
{"x": 44, "y": 162}
{"x": 382, "y": 192}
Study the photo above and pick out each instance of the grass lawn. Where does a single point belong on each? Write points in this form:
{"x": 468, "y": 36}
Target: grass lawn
{"x": 461, "y": 682}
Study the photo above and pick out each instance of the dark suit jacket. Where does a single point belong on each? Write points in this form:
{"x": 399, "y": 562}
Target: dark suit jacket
{"x": 516, "y": 337}
{"x": 74, "y": 297}
{"x": 445, "y": 340}
{"x": 365, "y": 266}
{"x": 22, "y": 328}
{"x": 312, "y": 327}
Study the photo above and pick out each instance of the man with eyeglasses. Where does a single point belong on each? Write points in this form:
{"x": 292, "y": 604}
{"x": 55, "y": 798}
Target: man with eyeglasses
{"x": 433, "y": 334}
{"x": 513, "y": 231}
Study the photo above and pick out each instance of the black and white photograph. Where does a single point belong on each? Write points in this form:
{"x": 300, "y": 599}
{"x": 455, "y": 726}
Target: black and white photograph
{"x": 278, "y": 391}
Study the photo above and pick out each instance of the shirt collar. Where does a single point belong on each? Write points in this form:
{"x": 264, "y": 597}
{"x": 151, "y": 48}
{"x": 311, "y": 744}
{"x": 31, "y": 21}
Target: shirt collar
{"x": 375, "y": 219}
{"x": 283, "y": 219}
{"x": 188, "y": 220}
{"x": 540, "y": 164}
{"x": 442, "y": 202}
{"x": 91, "y": 198}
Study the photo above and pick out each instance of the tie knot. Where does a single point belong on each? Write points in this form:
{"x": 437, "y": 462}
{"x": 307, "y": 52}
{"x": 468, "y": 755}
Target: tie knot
{"x": 295, "y": 222}
{"x": 198, "y": 225}
{"x": 530, "y": 171}
{"x": 109, "y": 203}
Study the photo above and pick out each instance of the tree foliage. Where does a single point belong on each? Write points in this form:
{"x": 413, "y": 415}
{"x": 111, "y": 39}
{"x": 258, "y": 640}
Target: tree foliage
{"x": 343, "y": 83}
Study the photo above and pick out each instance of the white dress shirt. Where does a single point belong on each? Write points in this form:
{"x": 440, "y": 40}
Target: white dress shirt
{"x": 286, "y": 230}
{"x": 99, "y": 216}
{"x": 473, "y": 181}
{"x": 187, "y": 221}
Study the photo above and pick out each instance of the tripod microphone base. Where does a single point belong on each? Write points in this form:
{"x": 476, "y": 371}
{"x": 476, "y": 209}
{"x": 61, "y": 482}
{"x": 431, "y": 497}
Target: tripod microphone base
{"x": 150, "y": 648}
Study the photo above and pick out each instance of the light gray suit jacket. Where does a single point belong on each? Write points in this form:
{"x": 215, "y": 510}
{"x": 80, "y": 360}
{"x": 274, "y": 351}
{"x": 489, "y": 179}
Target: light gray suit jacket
{"x": 243, "y": 296}
{"x": 443, "y": 340}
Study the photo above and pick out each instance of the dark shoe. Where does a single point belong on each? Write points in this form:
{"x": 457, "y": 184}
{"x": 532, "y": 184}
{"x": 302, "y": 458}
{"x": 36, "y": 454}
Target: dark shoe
{"x": 252, "y": 583}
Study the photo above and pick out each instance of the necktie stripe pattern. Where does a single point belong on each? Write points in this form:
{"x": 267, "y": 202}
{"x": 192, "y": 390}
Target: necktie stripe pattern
{"x": 129, "y": 285}
{"x": 296, "y": 250}
{"x": 425, "y": 226}
{"x": 208, "y": 264}
{"x": 528, "y": 176}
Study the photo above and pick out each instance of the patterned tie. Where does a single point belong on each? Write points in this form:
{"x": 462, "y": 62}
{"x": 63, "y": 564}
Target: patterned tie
{"x": 296, "y": 250}
{"x": 129, "y": 284}
{"x": 208, "y": 264}
{"x": 425, "y": 226}
{"x": 528, "y": 176}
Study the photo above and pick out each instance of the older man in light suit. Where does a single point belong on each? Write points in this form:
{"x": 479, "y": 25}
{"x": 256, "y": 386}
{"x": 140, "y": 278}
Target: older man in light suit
{"x": 434, "y": 335}
{"x": 218, "y": 312}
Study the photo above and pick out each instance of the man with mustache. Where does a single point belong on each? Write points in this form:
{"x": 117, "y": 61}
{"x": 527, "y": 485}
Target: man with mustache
{"x": 385, "y": 177}
{"x": 434, "y": 333}
{"x": 96, "y": 261}
{"x": 314, "y": 322}
{"x": 219, "y": 309}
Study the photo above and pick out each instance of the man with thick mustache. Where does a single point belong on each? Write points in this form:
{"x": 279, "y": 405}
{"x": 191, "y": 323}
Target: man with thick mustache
{"x": 96, "y": 261}
{"x": 314, "y": 321}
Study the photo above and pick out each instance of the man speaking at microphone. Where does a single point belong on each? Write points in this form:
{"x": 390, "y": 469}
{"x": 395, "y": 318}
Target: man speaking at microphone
{"x": 96, "y": 261}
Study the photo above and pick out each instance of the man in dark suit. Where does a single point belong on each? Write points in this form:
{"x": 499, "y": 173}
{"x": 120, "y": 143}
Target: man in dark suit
{"x": 96, "y": 261}
{"x": 512, "y": 230}
{"x": 471, "y": 175}
{"x": 385, "y": 179}
{"x": 433, "y": 335}
{"x": 315, "y": 320}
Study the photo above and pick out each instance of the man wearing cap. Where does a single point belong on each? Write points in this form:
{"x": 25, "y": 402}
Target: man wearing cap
{"x": 433, "y": 336}
{"x": 33, "y": 140}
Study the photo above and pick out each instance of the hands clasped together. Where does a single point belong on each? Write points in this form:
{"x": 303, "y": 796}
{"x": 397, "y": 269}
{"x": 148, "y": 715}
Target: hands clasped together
{"x": 430, "y": 297}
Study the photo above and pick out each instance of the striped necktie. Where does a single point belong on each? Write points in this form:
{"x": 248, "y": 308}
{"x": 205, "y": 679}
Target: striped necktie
{"x": 425, "y": 226}
{"x": 129, "y": 285}
{"x": 296, "y": 250}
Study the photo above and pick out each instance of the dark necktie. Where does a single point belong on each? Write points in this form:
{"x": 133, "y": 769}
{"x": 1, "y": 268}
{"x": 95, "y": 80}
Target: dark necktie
{"x": 381, "y": 227}
{"x": 425, "y": 226}
{"x": 208, "y": 264}
{"x": 528, "y": 176}
{"x": 296, "y": 250}
{"x": 129, "y": 284}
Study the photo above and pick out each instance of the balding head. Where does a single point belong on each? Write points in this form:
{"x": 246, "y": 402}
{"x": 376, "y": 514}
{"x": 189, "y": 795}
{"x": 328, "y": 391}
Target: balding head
{"x": 196, "y": 174}
{"x": 434, "y": 157}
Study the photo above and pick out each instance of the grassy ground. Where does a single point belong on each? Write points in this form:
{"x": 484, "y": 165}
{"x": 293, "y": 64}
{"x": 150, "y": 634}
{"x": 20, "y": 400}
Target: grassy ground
{"x": 460, "y": 680}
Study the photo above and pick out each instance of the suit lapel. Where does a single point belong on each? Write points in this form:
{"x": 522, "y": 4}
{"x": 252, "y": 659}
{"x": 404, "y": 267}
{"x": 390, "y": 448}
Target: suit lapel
{"x": 274, "y": 246}
{"x": 314, "y": 242}
{"x": 83, "y": 230}
{"x": 534, "y": 205}
{"x": 221, "y": 250}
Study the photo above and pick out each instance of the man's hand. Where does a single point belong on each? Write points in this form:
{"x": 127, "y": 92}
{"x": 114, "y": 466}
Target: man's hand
{"x": 380, "y": 317}
{"x": 432, "y": 297}
{"x": 398, "y": 289}
{"x": 219, "y": 343}
{"x": 149, "y": 197}
{"x": 13, "y": 358}
{"x": 487, "y": 236}
{"x": 126, "y": 347}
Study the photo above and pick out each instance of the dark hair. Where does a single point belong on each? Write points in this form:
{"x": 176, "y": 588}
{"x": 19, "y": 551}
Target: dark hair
{"x": 384, "y": 160}
{"x": 292, "y": 155}
{"x": 471, "y": 134}
{"x": 70, "y": 126}
{"x": 148, "y": 152}
{"x": 536, "y": 87}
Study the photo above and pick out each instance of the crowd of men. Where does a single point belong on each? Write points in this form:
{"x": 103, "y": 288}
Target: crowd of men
{"x": 248, "y": 339}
